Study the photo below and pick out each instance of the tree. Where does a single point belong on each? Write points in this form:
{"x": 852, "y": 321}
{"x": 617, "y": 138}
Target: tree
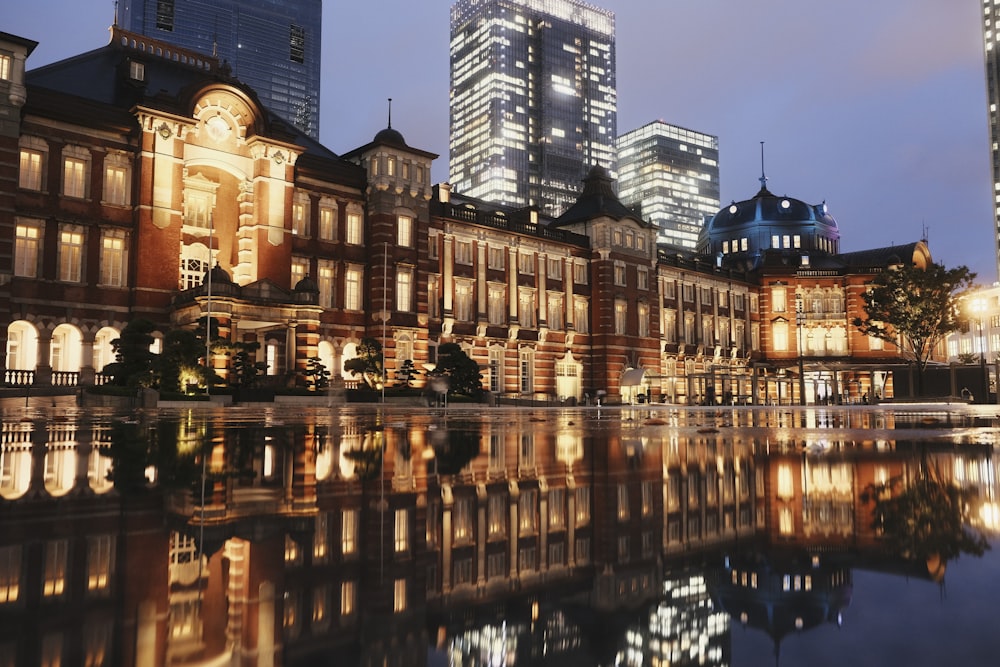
{"x": 463, "y": 373}
{"x": 915, "y": 308}
{"x": 179, "y": 365}
{"x": 368, "y": 363}
{"x": 317, "y": 377}
{"x": 133, "y": 365}
{"x": 406, "y": 373}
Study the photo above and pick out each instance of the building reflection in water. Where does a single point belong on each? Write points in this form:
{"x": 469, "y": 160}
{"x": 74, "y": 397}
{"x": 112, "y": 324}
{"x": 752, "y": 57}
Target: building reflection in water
{"x": 627, "y": 537}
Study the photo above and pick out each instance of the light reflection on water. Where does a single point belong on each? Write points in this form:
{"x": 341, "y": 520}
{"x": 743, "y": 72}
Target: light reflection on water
{"x": 613, "y": 536}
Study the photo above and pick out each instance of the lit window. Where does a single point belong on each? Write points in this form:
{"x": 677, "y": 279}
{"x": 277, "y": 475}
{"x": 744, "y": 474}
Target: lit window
{"x": 347, "y": 598}
{"x": 71, "y": 253}
{"x": 327, "y": 222}
{"x": 404, "y": 289}
{"x": 352, "y": 288}
{"x": 527, "y": 519}
{"x": 463, "y": 252}
{"x": 54, "y": 580}
{"x": 27, "y": 241}
{"x": 581, "y": 316}
{"x": 554, "y": 268}
{"x": 620, "y": 273}
{"x": 5, "y": 61}
{"x": 136, "y": 70}
{"x": 554, "y": 316}
{"x": 582, "y": 504}
{"x": 349, "y": 532}
{"x": 497, "y": 306}
{"x": 496, "y": 258}
{"x": 778, "y": 299}
{"x": 643, "y": 310}
{"x": 621, "y": 316}
{"x": 780, "y": 334}
{"x": 113, "y": 257}
{"x": 300, "y": 269}
{"x": 321, "y": 538}
{"x": 526, "y": 309}
{"x": 116, "y": 180}
{"x": 74, "y": 177}
{"x": 527, "y": 370}
{"x": 642, "y": 277}
{"x": 404, "y": 231}
{"x": 100, "y": 563}
{"x": 557, "y": 509}
{"x": 30, "y": 175}
{"x": 580, "y": 273}
{"x": 402, "y": 531}
{"x": 526, "y": 263}
{"x": 355, "y": 230}
{"x": 463, "y": 301}
{"x": 10, "y": 574}
{"x": 433, "y": 297}
{"x": 623, "y": 511}
{"x": 300, "y": 215}
{"x": 399, "y": 595}
{"x": 326, "y": 278}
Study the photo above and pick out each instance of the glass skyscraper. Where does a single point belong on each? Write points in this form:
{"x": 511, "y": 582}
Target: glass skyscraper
{"x": 271, "y": 45}
{"x": 533, "y": 99}
{"x": 991, "y": 41}
{"x": 672, "y": 173}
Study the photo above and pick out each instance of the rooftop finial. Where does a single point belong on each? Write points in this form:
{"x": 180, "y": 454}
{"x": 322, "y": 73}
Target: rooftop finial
{"x": 763, "y": 178}
{"x": 390, "y": 113}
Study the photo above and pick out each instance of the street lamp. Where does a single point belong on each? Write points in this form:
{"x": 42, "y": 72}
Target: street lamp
{"x": 978, "y": 306}
{"x": 800, "y": 318}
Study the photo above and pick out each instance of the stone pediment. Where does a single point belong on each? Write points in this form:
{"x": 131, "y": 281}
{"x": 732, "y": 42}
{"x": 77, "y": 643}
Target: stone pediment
{"x": 266, "y": 290}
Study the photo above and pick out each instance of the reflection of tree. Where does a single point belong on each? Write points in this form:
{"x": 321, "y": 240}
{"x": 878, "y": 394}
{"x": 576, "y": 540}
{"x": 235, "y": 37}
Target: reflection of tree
{"x": 927, "y": 519}
{"x": 455, "y": 447}
{"x": 368, "y": 458}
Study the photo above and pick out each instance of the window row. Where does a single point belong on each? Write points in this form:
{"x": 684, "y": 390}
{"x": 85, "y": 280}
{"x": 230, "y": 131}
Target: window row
{"x": 328, "y": 223}
{"x": 71, "y": 252}
{"x": 55, "y": 569}
{"x": 527, "y": 261}
{"x": 75, "y": 172}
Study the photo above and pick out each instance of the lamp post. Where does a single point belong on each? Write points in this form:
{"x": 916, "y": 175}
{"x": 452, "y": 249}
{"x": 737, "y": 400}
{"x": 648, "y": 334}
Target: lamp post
{"x": 979, "y": 308}
{"x": 799, "y": 321}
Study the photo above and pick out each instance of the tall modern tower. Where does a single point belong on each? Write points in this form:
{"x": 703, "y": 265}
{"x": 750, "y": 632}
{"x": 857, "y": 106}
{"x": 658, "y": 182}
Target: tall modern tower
{"x": 271, "y": 45}
{"x": 533, "y": 99}
{"x": 672, "y": 173}
{"x": 991, "y": 41}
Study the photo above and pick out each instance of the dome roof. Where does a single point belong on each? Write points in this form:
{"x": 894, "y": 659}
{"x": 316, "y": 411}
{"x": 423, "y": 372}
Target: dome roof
{"x": 768, "y": 208}
{"x": 307, "y": 284}
{"x": 219, "y": 276}
{"x": 390, "y": 136}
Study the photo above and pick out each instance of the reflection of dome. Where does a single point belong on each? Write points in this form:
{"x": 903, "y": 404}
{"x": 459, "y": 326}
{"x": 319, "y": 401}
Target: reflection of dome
{"x": 741, "y": 231}
{"x": 782, "y": 593}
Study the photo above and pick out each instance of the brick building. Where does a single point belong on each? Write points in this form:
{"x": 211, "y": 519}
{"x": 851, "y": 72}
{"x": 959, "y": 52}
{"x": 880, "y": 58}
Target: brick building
{"x": 152, "y": 184}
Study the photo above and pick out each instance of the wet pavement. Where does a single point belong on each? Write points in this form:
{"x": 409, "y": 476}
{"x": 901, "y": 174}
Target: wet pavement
{"x": 371, "y": 535}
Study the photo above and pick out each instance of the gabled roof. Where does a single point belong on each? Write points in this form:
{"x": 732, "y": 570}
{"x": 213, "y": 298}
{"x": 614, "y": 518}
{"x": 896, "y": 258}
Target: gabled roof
{"x": 597, "y": 200}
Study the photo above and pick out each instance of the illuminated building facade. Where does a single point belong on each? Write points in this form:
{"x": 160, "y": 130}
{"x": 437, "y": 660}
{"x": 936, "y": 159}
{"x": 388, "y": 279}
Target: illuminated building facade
{"x": 533, "y": 99}
{"x": 271, "y": 45}
{"x": 171, "y": 207}
{"x": 672, "y": 175}
{"x": 991, "y": 38}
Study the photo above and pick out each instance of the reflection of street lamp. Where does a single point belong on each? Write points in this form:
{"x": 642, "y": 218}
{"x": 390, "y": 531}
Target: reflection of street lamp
{"x": 978, "y": 306}
{"x": 799, "y": 321}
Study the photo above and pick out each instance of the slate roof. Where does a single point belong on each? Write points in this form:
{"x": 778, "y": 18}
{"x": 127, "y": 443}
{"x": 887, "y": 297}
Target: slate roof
{"x": 598, "y": 199}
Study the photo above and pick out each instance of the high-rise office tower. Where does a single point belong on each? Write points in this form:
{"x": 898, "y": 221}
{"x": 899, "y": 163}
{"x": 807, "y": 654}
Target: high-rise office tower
{"x": 672, "y": 173}
{"x": 991, "y": 40}
{"x": 272, "y": 45}
{"x": 533, "y": 99}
